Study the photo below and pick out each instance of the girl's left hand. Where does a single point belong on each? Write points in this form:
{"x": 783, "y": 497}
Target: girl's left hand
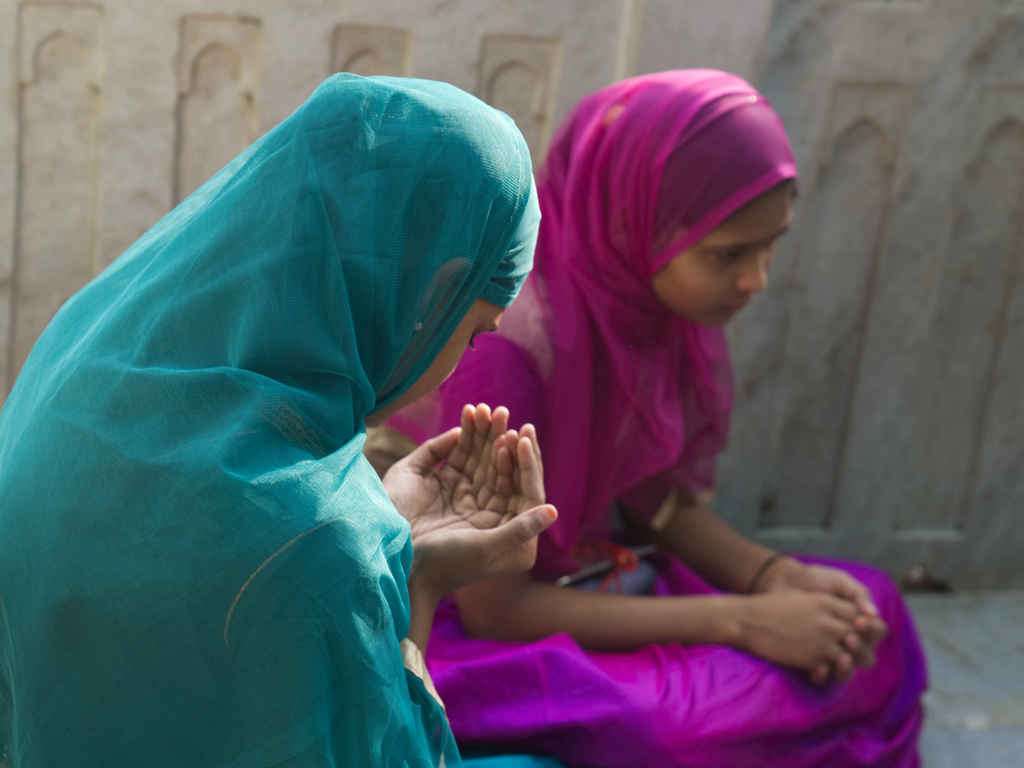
{"x": 474, "y": 498}
{"x": 792, "y": 574}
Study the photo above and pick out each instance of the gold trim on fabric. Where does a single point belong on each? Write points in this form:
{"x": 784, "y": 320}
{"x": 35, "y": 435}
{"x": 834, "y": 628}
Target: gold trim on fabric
{"x": 667, "y": 511}
{"x": 264, "y": 564}
{"x": 674, "y": 502}
{"x": 412, "y": 658}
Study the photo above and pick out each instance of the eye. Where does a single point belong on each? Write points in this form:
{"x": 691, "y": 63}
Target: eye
{"x": 729, "y": 256}
{"x": 472, "y": 339}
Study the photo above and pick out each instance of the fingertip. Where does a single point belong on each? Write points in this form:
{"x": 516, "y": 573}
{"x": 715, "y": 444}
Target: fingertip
{"x": 499, "y": 420}
{"x": 448, "y": 440}
{"x": 481, "y": 419}
{"x": 820, "y": 674}
{"x": 539, "y": 520}
{"x": 870, "y": 625}
{"x": 549, "y": 514}
{"x": 880, "y": 629}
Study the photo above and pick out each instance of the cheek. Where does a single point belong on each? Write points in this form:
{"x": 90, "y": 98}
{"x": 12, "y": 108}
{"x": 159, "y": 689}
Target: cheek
{"x": 448, "y": 359}
{"x": 690, "y": 286}
{"x": 449, "y": 368}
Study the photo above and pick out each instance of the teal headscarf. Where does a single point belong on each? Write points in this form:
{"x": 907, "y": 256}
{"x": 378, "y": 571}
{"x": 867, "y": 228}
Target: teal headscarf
{"x": 197, "y": 565}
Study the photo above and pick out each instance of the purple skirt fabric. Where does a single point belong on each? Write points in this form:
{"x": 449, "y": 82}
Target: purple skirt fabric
{"x": 668, "y": 705}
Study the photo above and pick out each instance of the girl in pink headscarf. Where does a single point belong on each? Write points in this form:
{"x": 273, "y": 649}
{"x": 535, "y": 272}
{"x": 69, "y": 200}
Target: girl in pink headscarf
{"x": 663, "y": 198}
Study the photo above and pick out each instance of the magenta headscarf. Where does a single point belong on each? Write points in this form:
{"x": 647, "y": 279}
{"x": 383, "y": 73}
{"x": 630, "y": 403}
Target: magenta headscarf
{"x": 628, "y": 398}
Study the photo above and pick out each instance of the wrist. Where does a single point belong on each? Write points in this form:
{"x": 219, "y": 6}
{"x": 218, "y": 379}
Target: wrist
{"x": 746, "y": 621}
{"x": 730, "y": 624}
{"x": 783, "y": 572}
{"x": 424, "y": 595}
{"x": 424, "y": 584}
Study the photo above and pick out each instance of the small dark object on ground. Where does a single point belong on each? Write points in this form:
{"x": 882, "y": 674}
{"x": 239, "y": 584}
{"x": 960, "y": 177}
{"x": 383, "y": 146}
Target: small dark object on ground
{"x": 918, "y": 579}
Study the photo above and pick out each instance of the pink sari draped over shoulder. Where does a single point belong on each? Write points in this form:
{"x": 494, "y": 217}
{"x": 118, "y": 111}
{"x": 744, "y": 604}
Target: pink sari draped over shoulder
{"x": 629, "y": 401}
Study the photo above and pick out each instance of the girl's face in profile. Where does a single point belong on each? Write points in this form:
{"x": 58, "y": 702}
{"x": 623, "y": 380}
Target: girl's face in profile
{"x": 482, "y": 317}
{"x": 716, "y": 277}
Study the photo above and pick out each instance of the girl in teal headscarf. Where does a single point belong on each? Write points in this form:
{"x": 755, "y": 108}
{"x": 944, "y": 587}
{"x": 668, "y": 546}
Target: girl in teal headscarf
{"x": 197, "y": 565}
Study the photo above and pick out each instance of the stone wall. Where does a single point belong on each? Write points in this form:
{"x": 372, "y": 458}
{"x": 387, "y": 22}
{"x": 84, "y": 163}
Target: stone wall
{"x": 882, "y": 378}
{"x": 879, "y": 397}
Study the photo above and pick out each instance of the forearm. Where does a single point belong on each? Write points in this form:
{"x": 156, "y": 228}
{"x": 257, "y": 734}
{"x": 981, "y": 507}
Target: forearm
{"x": 595, "y": 620}
{"x": 711, "y": 546}
{"x": 423, "y": 600}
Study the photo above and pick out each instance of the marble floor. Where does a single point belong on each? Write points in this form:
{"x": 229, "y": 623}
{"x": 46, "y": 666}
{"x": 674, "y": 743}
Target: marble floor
{"x": 975, "y": 707}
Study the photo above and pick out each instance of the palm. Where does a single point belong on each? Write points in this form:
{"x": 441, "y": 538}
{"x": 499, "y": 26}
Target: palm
{"x": 457, "y": 488}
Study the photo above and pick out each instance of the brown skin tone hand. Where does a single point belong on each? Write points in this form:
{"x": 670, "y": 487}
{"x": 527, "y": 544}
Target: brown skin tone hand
{"x": 474, "y": 496}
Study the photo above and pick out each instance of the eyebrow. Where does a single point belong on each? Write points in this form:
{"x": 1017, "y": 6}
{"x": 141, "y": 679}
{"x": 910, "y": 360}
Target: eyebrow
{"x": 743, "y": 244}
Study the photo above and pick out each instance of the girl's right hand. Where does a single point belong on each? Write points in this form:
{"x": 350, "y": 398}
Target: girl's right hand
{"x": 806, "y": 630}
{"x": 474, "y": 499}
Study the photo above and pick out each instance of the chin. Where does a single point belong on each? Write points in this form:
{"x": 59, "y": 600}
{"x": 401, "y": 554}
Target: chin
{"x": 717, "y": 319}
{"x": 376, "y": 418}
{"x": 727, "y": 314}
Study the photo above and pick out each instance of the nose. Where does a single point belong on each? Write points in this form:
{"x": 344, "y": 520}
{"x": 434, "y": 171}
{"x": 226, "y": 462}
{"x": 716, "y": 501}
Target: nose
{"x": 753, "y": 277}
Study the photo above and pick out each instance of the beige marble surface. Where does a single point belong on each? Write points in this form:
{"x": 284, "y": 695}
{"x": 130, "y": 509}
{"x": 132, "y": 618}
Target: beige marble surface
{"x": 975, "y": 706}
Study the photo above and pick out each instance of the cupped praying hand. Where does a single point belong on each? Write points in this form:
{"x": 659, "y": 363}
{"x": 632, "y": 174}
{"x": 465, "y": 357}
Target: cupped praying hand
{"x": 474, "y": 498}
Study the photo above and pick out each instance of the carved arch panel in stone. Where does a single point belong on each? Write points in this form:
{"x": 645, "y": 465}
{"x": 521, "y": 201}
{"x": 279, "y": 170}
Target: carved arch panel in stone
{"x": 370, "y": 50}
{"x": 998, "y": 56}
{"x": 518, "y": 75}
{"x": 832, "y": 298}
{"x": 972, "y": 324}
{"x": 60, "y": 75}
{"x": 219, "y": 71}
{"x": 997, "y": 487}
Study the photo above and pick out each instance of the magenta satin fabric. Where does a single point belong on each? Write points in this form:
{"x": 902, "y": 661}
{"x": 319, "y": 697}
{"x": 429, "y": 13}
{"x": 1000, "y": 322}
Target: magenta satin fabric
{"x": 668, "y": 705}
{"x": 630, "y": 400}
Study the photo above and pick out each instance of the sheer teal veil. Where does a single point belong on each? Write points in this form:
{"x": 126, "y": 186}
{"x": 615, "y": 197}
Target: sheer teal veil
{"x": 197, "y": 566}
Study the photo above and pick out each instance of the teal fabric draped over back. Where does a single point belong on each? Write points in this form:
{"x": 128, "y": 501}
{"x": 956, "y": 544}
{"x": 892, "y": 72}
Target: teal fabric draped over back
{"x": 197, "y": 566}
